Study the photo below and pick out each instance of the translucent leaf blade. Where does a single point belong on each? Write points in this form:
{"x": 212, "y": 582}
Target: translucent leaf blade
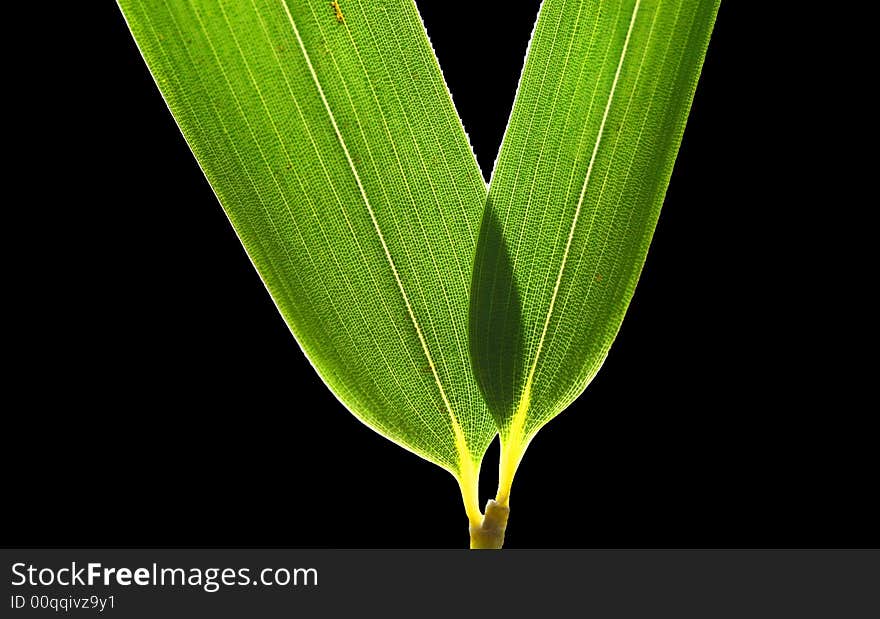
{"x": 575, "y": 196}
{"x": 333, "y": 146}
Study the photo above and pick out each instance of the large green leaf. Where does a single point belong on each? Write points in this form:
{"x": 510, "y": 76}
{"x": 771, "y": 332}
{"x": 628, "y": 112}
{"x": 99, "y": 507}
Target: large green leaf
{"x": 332, "y": 143}
{"x": 574, "y": 199}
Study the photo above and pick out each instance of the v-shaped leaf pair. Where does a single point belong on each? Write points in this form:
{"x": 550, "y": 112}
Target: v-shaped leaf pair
{"x": 439, "y": 314}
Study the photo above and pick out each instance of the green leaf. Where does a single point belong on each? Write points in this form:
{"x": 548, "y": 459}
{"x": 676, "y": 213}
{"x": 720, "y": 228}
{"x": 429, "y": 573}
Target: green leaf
{"x": 330, "y": 139}
{"x": 574, "y": 199}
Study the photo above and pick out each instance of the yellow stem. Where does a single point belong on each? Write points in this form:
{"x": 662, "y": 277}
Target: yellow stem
{"x": 513, "y": 445}
{"x": 512, "y": 450}
{"x": 468, "y": 478}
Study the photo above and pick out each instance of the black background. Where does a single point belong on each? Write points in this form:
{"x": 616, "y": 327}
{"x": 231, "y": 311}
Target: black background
{"x": 154, "y": 396}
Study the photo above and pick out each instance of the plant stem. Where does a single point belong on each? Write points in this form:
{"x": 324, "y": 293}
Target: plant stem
{"x": 468, "y": 478}
{"x": 487, "y": 531}
{"x": 489, "y": 534}
{"x": 512, "y": 451}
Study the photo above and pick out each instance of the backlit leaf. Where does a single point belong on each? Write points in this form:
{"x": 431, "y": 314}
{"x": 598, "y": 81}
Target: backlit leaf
{"x": 330, "y": 139}
{"x": 574, "y": 199}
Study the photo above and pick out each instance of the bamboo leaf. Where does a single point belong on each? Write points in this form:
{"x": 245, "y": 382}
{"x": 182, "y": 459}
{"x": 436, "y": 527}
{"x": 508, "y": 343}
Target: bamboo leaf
{"x": 330, "y": 139}
{"x": 575, "y": 197}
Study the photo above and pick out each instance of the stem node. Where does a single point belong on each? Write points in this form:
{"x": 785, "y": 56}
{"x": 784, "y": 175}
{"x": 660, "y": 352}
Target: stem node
{"x": 489, "y": 535}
